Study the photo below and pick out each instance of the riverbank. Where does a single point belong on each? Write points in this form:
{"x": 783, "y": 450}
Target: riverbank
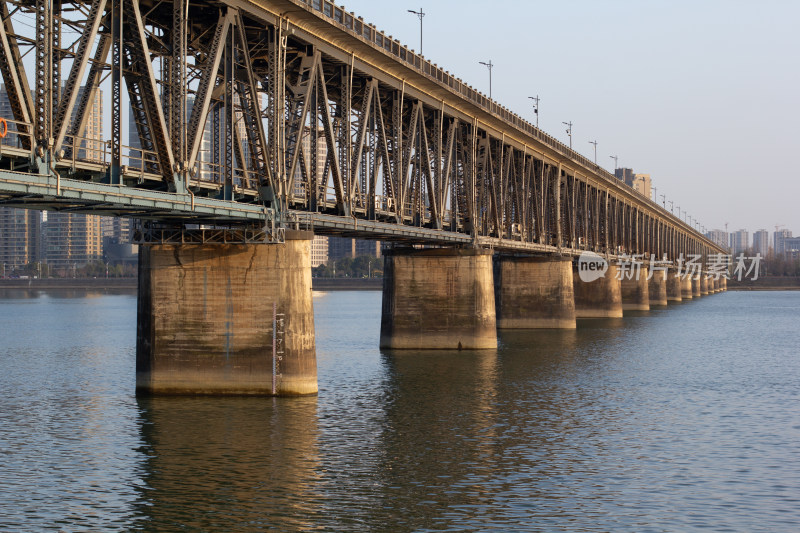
{"x": 318, "y": 284}
{"x": 766, "y": 283}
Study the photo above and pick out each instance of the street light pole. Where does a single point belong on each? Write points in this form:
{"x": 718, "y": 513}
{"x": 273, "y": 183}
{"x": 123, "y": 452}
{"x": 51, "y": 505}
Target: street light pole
{"x": 569, "y": 132}
{"x": 536, "y": 107}
{"x": 595, "y": 150}
{"x": 488, "y": 65}
{"x": 420, "y": 14}
{"x": 664, "y": 201}
{"x": 615, "y": 162}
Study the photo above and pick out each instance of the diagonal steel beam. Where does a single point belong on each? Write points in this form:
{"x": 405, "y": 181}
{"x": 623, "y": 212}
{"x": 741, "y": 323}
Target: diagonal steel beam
{"x": 150, "y": 93}
{"x": 200, "y": 110}
{"x": 70, "y": 94}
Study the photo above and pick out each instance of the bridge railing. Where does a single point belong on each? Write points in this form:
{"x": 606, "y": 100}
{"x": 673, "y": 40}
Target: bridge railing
{"x": 17, "y": 135}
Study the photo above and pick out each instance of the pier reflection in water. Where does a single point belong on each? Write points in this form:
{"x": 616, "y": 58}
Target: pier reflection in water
{"x": 668, "y": 419}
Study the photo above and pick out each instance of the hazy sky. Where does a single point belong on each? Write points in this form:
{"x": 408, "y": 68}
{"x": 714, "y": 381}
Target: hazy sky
{"x": 702, "y": 95}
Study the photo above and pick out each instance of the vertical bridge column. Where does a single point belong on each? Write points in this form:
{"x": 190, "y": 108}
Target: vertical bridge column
{"x": 704, "y": 285}
{"x": 658, "y": 288}
{"x": 686, "y": 287}
{"x": 696, "y": 286}
{"x": 601, "y": 298}
{"x": 206, "y": 314}
{"x": 534, "y": 292}
{"x": 438, "y": 299}
{"x": 635, "y": 290}
{"x": 674, "y": 282}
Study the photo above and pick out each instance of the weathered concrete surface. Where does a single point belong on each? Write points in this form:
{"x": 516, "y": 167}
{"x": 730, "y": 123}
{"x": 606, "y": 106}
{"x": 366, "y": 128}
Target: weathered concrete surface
{"x": 205, "y": 319}
{"x": 703, "y": 285}
{"x": 601, "y": 298}
{"x": 686, "y": 288}
{"x": 696, "y": 287}
{"x": 657, "y": 287}
{"x": 673, "y": 287}
{"x": 635, "y": 290}
{"x": 438, "y": 299}
{"x": 534, "y": 292}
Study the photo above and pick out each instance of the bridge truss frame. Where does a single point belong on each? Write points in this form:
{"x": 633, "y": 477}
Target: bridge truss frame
{"x": 275, "y": 110}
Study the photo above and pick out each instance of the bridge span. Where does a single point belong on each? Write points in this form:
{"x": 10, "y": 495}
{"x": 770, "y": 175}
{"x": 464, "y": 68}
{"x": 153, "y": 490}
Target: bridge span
{"x": 255, "y": 124}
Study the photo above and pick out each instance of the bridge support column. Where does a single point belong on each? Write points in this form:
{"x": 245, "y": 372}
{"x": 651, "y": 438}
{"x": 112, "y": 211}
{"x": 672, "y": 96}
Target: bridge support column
{"x": 636, "y": 291}
{"x": 438, "y": 299}
{"x": 601, "y": 298}
{"x": 534, "y": 292}
{"x": 696, "y": 287}
{"x": 206, "y": 315}
{"x": 686, "y": 288}
{"x": 657, "y": 287}
{"x": 673, "y": 287}
{"x": 704, "y": 285}
{"x": 724, "y": 282}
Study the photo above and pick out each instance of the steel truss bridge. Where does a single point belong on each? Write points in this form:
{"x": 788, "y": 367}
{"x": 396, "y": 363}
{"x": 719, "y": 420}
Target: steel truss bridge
{"x": 257, "y": 115}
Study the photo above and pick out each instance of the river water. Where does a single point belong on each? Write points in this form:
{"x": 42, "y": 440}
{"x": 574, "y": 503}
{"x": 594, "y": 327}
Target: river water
{"x": 679, "y": 419}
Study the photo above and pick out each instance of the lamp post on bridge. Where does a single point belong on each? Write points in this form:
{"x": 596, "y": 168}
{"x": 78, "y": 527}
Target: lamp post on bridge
{"x": 488, "y": 65}
{"x": 615, "y": 162}
{"x": 595, "y": 150}
{"x": 420, "y": 14}
{"x": 664, "y": 200}
{"x": 535, "y": 107}
{"x": 569, "y": 132}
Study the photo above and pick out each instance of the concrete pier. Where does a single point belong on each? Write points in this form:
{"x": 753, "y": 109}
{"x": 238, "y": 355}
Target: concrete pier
{"x": 635, "y": 291}
{"x": 724, "y": 283}
{"x": 438, "y": 299}
{"x": 534, "y": 292}
{"x": 657, "y": 287}
{"x": 601, "y": 298}
{"x": 696, "y": 287}
{"x": 686, "y": 288}
{"x": 704, "y": 285}
{"x": 673, "y": 287}
{"x": 206, "y": 315}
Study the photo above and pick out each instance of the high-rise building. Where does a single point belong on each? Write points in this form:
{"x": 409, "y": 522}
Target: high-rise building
{"x": 20, "y": 238}
{"x": 641, "y": 184}
{"x": 791, "y": 247}
{"x": 761, "y": 242}
{"x": 624, "y": 174}
{"x": 91, "y": 145}
{"x": 340, "y": 247}
{"x": 719, "y": 237}
{"x": 319, "y": 250}
{"x": 740, "y": 241}
{"x": 779, "y": 241}
{"x": 71, "y": 240}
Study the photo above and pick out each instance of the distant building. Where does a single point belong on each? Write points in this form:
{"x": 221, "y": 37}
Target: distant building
{"x": 20, "y": 238}
{"x": 761, "y": 242}
{"x": 340, "y": 247}
{"x": 71, "y": 240}
{"x": 641, "y": 184}
{"x": 719, "y": 237}
{"x": 791, "y": 247}
{"x": 740, "y": 241}
{"x": 779, "y": 241}
{"x": 319, "y": 250}
{"x": 624, "y": 174}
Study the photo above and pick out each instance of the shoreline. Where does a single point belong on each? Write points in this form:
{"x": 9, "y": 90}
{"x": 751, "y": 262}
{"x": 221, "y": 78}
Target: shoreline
{"x": 317, "y": 284}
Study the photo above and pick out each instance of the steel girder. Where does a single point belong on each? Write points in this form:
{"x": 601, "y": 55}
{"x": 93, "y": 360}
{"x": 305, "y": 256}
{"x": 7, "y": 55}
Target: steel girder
{"x": 232, "y": 101}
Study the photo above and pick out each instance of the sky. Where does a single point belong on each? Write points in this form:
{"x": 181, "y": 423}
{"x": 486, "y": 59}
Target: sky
{"x": 702, "y": 95}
